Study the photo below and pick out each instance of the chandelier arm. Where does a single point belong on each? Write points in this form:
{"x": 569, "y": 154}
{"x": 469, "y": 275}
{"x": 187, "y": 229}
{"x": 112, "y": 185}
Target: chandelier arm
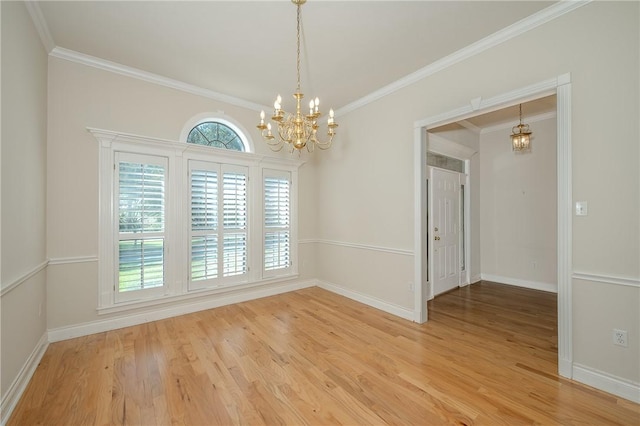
{"x": 325, "y": 145}
{"x": 274, "y": 144}
{"x": 297, "y": 129}
{"x": 285, "y": 137}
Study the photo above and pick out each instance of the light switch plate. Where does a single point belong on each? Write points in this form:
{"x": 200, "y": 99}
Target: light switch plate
{"x": 582, "y": 209}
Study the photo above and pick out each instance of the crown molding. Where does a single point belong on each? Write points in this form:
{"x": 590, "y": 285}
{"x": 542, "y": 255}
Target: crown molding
{"x": 546, "y": 15}
{"x": 542, "y": 17}
{"x": 114, "y": 67}
{"x": 41, "y": 25}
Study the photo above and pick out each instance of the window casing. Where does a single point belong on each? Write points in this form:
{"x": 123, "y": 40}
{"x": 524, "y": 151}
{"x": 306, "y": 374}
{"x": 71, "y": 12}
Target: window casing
{"x": 201, "y": 228}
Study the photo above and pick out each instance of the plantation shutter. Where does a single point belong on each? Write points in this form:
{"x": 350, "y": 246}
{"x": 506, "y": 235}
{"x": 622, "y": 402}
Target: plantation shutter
{"x": 235, "y": 222}
{"x": 141, "y": 203}
{"x": 277, "y": 221}
{"x": 218, "y": 230}
{"x": 204, "y": 224}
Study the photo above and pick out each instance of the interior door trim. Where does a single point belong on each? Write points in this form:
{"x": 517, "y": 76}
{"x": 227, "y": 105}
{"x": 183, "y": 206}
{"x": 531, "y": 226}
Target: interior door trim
{"x": 561, "y": 87}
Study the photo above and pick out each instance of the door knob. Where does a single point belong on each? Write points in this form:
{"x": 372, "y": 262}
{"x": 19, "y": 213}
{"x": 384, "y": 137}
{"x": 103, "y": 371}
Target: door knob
{"x": 437, "y": 238}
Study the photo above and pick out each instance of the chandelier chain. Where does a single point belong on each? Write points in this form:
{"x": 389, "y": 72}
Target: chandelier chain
{"x": 298, "y": 51}
{"x": 297, "y": 129}
{"x": 520, "y": 113}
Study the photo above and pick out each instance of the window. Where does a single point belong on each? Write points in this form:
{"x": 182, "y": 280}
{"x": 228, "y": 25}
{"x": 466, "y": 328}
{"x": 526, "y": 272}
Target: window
{"x": 140, "y": 197}
{"x": 277, "y": 221}
{"x": 216, "y": 134}
{"x": 218, "y": 247}
{"x": 445, "y": 162}
{"x": 182, "y": 221}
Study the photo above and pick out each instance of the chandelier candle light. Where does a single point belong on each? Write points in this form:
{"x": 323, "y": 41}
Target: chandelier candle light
{"x": 521, "y": 136}
{"x": 297, "y": 129}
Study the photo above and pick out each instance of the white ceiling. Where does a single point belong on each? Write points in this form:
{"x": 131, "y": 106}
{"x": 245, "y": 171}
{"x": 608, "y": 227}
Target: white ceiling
{"x": 246, "y": 49}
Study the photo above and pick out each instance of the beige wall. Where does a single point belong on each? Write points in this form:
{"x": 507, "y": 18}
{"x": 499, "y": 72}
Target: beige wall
{"x": 357, "y": 199}
{"x": 24, "y": 121}
{"x": 79, "y": 97}
{"x": 518, "y": 230}
{"x": 367, "y": 193}
{"x": 592, "y": 330}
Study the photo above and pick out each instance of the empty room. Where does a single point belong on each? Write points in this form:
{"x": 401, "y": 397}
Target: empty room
{"x": 320, "y": 212}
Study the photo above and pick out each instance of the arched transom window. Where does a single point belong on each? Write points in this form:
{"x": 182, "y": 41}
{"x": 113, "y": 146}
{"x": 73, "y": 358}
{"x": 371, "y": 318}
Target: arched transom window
{"x": 217, "y": 135}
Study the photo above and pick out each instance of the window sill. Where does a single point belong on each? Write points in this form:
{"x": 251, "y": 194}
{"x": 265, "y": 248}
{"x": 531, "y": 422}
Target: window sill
{"x": 194, "y": 294}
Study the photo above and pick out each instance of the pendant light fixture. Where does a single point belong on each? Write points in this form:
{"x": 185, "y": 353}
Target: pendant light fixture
{"x": 521, "y": 136}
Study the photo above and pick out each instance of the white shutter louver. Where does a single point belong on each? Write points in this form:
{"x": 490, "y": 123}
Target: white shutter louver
{"x": 141, "y": 217}
{"x": 235, "y": 223}
{"x": 277, "y": 222}
{"x": 204, "y": 224}
{"x": 218, "y": 233}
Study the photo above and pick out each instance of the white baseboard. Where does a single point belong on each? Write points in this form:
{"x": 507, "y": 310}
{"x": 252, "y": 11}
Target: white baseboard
{"x": 606, "y": 382}
{"x": 534, "y": 285}
{"x": 11, "y": 398}
{"x": 368, "y": 300}
{"x": 476, "y": 278}
{"x": 64, "y": 333}
{"x": 565, "y": 368}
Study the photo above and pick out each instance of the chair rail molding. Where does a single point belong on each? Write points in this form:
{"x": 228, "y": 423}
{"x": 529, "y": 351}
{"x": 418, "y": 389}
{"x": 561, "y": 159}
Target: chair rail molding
{"x": 608, "y": 279}
{"x": 390, "y": 250}
{"x": 27, "y": 276}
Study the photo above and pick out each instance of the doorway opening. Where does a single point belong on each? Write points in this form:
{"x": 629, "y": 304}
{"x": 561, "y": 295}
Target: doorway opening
{"x": 448, "y": 219}
{"x": 561, "y": 87}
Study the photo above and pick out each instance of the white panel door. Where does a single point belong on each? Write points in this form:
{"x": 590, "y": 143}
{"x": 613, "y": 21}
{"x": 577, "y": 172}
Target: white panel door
{"x": 445, "y": 232}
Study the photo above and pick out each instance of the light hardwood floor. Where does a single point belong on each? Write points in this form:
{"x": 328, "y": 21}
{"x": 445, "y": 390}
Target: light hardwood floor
{"x": 486, "y": 356}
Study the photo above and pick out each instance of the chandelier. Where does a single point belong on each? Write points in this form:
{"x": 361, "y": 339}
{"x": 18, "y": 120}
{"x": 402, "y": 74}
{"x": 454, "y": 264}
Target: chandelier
{"x": 520, "y": 136}
{"x": 297, "y": 129}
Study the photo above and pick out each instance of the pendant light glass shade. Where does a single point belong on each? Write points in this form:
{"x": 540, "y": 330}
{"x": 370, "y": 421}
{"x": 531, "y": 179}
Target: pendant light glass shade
{"x": 521, "y": 136}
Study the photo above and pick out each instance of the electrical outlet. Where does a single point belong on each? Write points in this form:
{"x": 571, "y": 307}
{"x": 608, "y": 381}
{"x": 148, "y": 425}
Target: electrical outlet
{"x": 620, "y": 337}
{"x": 411, "y": 287}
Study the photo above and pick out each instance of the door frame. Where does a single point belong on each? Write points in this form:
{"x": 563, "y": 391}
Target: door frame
{"x": 462, "y": 236}
{"x": 443, "y": 146}
{"x": 561, "y": 87}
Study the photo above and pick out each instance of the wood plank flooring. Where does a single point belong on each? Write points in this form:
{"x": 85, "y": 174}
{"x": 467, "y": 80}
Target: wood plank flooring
{"x": 486, "y": 356}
